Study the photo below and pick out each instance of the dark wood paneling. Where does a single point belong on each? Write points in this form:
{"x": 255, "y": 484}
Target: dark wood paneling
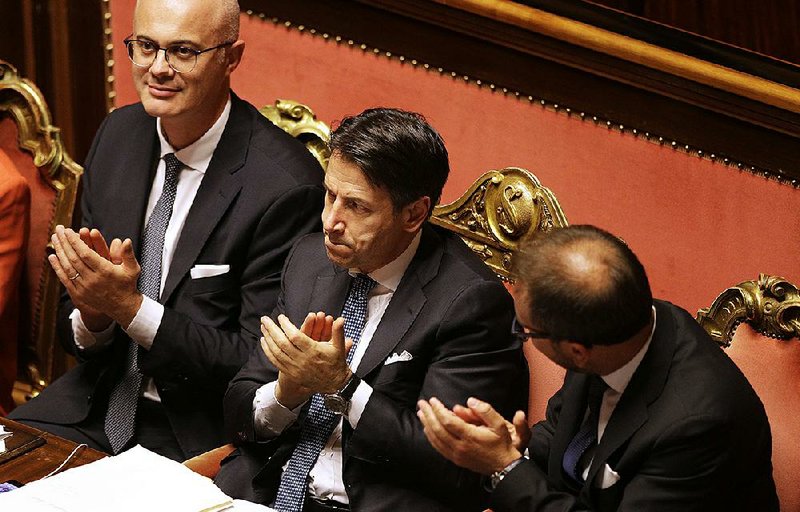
{"x": 599, "y": 85}
{"x": 59, "y": 46}
{"x": 765, "y": 27}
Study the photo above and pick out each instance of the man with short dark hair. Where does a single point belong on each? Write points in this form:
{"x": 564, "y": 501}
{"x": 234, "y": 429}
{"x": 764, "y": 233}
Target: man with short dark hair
{"x": 201, "y": 198}
{"x": 652, "y": 415}
{"x": 323, "y": 426}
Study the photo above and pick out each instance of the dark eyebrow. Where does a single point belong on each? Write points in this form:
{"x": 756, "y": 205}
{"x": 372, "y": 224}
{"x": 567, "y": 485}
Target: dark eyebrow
{"x": 180, "y": 42}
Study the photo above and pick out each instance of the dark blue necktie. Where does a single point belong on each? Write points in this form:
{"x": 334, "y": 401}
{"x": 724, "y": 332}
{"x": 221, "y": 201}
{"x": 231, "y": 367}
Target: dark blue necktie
{"x": 121, "y": 414}
{"x": 586, "y": 436}
{"x": 320, "y": 422}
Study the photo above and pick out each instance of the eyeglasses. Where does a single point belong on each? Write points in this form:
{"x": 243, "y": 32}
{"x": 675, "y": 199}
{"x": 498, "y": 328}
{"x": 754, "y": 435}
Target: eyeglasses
{"x": 523, "y": 336}
{"x": 181, "y": 59}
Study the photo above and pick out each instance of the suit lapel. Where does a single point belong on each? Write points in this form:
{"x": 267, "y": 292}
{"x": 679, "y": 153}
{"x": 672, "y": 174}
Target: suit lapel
{"x": 137, "y": 169}
{"x": 407, "y": 302}
{"x": 329, "y": 293}
{"x": 219, "y": 188}
{"x": 573, "y": 409}
{"x": 644, "y": 388}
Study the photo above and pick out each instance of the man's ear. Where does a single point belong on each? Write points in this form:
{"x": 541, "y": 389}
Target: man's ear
{"x": 234, "y": 55}
{"x": 414, "y": 214}
{"x": 579, "y": 354}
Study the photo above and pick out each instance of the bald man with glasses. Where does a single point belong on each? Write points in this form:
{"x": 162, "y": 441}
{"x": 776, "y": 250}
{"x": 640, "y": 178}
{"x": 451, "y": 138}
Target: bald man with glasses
{"x": 191, "y": 201}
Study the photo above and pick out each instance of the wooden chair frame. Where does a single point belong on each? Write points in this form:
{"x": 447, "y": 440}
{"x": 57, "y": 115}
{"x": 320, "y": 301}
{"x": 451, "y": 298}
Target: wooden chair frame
{"x": 23, "y": 102}
{"x": 497, "y": 211}
{"x": 300, "y": 122}
{"x": 770, "y": 304}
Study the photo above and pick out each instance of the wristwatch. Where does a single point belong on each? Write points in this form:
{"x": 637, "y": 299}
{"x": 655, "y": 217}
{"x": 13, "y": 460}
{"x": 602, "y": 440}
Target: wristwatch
{"x": 498, "y": 476}
{"x": 339, "y": 402}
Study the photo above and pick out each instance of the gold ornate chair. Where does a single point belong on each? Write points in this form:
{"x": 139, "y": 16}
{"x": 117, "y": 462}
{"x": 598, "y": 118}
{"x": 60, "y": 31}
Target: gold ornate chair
{"x": 492, "y": 216}
{"x": 33, "y": 146}
{"x": 758, "y": 323}
{"x": 300, "y": 122}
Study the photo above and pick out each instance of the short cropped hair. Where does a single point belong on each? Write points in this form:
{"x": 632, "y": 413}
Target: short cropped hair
{"x": 229, "y": 20}
{"x": 397, "y": 151}
{"x": 584, "y": 284}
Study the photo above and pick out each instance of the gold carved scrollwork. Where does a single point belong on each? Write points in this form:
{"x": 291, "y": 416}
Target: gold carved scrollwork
{"x": 771, "y": 305}
{"x": 499, "y": 209}
{"x": 23, "y": 102}
{"x": 300, "y": 122}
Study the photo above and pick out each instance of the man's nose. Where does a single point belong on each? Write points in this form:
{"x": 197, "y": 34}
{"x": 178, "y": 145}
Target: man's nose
{"x": 331, "y": 221}
{"x": 160, "y": 66}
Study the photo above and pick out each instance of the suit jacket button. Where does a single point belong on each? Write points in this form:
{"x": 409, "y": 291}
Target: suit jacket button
{"x": 242, "y": 436}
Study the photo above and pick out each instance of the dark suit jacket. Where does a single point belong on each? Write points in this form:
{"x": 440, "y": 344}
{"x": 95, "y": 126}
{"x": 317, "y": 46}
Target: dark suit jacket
{"x": 453, "y": 316}
{"x": 689, "y": 433}
{"x": 261, "y": 192}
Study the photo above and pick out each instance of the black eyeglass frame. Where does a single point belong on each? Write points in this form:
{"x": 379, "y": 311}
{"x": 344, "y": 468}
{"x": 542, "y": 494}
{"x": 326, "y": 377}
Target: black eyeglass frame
{"x": 523, "y": 336}
{"x": 129, "y": 41}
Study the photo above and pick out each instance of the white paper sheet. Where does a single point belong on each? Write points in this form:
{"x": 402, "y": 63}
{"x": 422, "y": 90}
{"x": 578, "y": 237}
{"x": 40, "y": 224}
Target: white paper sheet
{"x": 136, "y": 480}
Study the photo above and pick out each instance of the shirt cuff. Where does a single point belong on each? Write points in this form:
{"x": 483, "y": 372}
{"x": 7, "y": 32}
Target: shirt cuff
{"x": 358, "y": 403}
{"x": 144, "y": 326}
{"x": 270, "y": 417}
{"x": 86, "y": 339}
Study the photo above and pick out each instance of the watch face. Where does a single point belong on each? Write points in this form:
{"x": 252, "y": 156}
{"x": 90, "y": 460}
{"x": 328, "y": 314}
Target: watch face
{"x": 336, "y": 404}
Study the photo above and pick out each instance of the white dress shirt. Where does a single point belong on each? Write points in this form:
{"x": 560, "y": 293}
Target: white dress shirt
{"x": 195, "y": 158}
{"x": 617, "y": 381}
{"x": 271, "y": 418}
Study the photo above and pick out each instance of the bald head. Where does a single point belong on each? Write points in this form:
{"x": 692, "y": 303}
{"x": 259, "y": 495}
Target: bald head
{"x": 221, "y": 16}
{"x": 584, "y": 284}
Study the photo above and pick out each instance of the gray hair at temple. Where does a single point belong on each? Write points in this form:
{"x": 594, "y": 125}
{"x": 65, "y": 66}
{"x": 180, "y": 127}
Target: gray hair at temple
{"x": 229, "y": 20}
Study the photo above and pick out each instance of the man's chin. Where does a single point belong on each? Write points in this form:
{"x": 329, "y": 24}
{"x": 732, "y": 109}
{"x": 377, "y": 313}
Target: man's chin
{"x": 337, "y": 256}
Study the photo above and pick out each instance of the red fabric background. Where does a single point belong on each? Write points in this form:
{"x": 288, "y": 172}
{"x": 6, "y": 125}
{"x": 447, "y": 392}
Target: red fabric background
{"x": 698, "y": 227}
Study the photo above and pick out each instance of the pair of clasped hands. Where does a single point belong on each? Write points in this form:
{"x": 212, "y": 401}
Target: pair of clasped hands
{"x": 99, "y": 278}
{"x": 311, "y": 359}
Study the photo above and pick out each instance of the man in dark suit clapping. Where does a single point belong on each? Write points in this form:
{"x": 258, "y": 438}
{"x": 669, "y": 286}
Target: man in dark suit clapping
{"x": 653, "y": 415}
{"x": 201, "y": 199}
{"x": 323, "y": 426}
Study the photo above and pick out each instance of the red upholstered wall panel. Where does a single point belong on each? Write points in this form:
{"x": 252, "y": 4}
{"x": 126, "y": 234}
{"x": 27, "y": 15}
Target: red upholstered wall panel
{"x": 698, "y": 226}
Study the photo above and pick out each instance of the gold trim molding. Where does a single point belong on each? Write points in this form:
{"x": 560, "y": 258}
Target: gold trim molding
{"x": 497, "y": 211}
{"x": 633, "y": 50}
{"x": 108, "y": 53}
{"x": 777, "y": 176}
{"x": 771, "y": 305}
{"x": 300, "y": 122}
{"x": 23, "y": 101}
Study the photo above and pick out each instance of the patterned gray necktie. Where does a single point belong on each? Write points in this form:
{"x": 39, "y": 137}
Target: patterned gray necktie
{"x": 320, "y": 422}
{"x": 121, "y": 414}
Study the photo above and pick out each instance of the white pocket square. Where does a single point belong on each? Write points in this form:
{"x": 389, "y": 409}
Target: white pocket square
{"x": 395, "y": 358}
{"x": 608, "y": 477}
{"x": 201, "y": 271}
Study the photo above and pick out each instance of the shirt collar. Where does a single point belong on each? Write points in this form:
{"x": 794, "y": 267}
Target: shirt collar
{"x": 197, "y": 155}
{"x": 388, "y": 276}
{"x": 618, "y": 379}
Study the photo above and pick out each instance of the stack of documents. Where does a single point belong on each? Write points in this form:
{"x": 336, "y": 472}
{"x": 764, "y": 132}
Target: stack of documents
{"x": 132, "y": 481}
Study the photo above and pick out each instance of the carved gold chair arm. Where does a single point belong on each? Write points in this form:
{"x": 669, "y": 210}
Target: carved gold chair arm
{"x": 495, "y": 213}
{"x": 771, "y": 305}
{"x": 300, "y": 122}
